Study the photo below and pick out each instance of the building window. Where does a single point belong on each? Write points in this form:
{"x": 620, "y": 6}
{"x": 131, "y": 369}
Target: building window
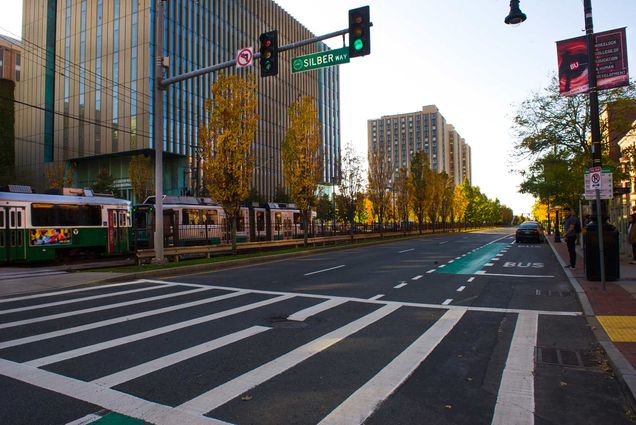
{"x": 1, "y": 62}
{"x": 18, "y": 66}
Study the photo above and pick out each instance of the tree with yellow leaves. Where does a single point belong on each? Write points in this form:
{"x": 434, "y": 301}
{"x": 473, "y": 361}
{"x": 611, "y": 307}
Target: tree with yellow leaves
{"x": 460, "y": 202}
{"x": 378, "y": 182}
{"x": 228, "y": 163}
{"x": 420, "y": 175}
{"x": 302, "y": 159}
{"x": 58, "y": 176}
{"x": 403, "y": 191}
{"x": 141, "y": 177}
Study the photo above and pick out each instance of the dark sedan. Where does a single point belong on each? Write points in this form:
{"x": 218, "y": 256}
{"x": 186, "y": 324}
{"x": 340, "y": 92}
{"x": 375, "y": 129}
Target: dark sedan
{"x": 530, "y": 231}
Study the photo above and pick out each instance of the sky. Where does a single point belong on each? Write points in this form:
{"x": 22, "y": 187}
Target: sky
{"x": 456, "y": 54}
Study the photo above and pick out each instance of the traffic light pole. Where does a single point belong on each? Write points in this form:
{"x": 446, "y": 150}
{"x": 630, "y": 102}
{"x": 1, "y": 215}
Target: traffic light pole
{"x": 231, "y": 63}
{"x": 161, "y": 84}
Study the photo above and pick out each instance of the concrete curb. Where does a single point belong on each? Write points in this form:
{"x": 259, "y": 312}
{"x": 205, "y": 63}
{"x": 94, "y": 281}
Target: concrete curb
{"x": 622, "y": 368}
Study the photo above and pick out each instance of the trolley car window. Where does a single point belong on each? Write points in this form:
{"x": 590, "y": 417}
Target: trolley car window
{"x": 211, "y": 217}
{"x": 65, "y": 215}
{"x": 2, "y": 219}
{"x": 191, "y": 217}
{"x": 260, "y": 221}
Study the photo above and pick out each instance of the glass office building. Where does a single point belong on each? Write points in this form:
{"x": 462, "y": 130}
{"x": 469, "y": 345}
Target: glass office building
{"x": 87, "y": 88}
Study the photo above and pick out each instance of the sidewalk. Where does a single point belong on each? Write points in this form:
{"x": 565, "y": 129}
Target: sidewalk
{"x": 611, "y": 313}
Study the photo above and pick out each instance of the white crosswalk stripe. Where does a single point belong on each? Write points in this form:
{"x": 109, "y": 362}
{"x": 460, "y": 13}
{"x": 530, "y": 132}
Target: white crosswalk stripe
{"x": 515, "y": 400}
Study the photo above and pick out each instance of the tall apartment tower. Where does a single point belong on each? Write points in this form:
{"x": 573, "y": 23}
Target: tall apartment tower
{"x": 467, "y": 171}
{"x": 89, "y": 85}
{"x": 401, "y": 136}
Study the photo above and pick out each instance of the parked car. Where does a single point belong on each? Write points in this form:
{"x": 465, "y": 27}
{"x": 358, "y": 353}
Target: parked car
{"x": 530, "y": 231}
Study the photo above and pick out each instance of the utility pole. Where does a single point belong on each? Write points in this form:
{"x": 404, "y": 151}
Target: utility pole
{"x": 157, "y": 133}
{"x": 595, "y": 130}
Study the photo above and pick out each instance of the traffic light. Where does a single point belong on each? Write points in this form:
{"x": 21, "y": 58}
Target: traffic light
{"x": 359, "y": 32}
{"x": 269, "y": 53}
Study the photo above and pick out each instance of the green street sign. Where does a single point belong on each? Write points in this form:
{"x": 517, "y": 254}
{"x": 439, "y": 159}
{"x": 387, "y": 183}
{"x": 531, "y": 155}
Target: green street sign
{"x": 320, "y": 60}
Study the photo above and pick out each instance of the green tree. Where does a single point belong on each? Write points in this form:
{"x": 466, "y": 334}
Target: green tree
{"x": 228, "y": 163}
{"x": 104, "y": 182}
{"x": 324, "y": 209}
{"x": 553, "y": 135}
{"x": 281, "y": 195}
{"x": 351, "y": 186}
{"x": 302, "y": 156}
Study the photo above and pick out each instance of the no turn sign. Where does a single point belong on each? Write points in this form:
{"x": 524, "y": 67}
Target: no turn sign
{"x": 244, "y": 57}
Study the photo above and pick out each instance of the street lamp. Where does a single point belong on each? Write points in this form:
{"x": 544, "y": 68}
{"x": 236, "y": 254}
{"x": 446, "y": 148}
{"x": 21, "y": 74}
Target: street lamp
{"x": 599, "y": 216}
{"x": 516, "y": 16}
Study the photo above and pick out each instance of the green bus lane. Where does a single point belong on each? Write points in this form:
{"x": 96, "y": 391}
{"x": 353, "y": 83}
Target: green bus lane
{"x": 474, "y": 260}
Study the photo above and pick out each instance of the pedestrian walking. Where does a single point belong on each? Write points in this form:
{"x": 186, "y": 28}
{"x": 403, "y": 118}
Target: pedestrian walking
{"x": 571, "y": 227}
{"x": 631, "y": 234}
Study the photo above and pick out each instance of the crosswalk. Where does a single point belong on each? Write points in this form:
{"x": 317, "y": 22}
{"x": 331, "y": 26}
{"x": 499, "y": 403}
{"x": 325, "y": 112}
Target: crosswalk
{"x": 111, "y": 345}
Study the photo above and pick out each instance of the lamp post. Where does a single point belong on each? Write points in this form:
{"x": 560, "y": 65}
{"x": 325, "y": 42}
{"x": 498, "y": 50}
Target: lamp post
{"x": 599, "y": 216}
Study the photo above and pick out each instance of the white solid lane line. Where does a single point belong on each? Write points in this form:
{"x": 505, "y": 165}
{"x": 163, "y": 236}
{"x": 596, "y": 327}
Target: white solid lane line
{"x": 406, "y": 250}
{"x": 483, "y": 273}
{"x": 71, "y": 354}
{"x": 174, "y": 358}
{"x": 106, "y": 398}
{"x": 325, "y": 270}
{"x": 361, "y": 404}
{"x": 318, "y": 308}
{"x": 223, "y": 393}
{"x": 515, "y": 400}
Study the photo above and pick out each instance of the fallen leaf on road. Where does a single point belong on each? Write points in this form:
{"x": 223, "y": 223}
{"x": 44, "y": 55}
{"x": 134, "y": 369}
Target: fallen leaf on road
{"x": 246, "y": 398}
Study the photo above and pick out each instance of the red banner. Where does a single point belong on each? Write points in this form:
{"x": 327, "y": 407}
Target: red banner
{"x": 610, "y": 52}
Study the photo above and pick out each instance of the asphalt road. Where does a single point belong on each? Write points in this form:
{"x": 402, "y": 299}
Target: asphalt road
{"x": 445, "y": 329}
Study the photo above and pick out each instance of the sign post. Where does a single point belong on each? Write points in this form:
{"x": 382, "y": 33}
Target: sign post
{"x": 599, "y": 185}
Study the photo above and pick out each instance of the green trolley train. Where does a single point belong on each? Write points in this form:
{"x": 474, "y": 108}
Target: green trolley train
{"x": 36, "y": 227}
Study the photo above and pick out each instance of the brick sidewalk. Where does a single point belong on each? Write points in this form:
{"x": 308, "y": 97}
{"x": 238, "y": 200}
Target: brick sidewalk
{"x": 614, "y": 308}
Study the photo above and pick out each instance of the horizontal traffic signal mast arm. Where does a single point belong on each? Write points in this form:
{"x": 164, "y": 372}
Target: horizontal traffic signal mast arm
{"x": 168, "y": 81}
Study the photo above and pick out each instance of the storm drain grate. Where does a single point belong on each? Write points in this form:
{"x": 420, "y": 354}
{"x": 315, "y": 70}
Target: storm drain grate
{"x": 566, "y": 358}
{"x": 553, "y": 293}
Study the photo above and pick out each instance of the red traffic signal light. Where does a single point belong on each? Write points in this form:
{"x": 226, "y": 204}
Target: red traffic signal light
{"x": 269, "y": 53}
{"x": 359, "y": 32}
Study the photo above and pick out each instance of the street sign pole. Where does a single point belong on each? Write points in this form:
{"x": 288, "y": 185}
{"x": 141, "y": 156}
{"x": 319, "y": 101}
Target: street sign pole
{"x": 599, "y": 231}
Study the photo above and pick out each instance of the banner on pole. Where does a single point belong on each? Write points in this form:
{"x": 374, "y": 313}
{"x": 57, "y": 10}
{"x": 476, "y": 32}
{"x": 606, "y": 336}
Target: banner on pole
{"x": 610, "y": 52}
